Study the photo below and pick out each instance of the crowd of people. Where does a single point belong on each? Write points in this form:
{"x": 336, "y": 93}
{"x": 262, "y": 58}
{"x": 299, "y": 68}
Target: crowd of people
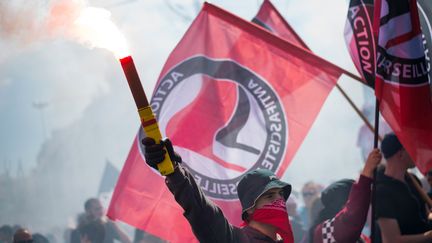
{"x": 92, "y": 227}
{"x": 337, "y": 213}
{"x": 272, "y": 213}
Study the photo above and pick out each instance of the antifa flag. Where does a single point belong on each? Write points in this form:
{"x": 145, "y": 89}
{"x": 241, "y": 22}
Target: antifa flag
{"x": 232, "y": 98}
{"x": 402, "y": 82}
{"x": 425, "y": 14}
{"x": 360, "y": 40}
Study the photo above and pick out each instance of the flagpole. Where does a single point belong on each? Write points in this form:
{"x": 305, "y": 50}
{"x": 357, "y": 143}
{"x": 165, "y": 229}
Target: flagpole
{"x": 373, "y": 199}
{"x": 375, "y": 29}
{"x": 346, "y": 72}
{"x": 356, "y": 109}
{"x": 376, "y": 134}
{"x": 349, "y": 74}
{"x": 306, "y": 47}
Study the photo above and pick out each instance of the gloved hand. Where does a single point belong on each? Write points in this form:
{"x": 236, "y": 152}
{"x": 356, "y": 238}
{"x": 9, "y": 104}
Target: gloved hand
{"x": 155, "y": 153}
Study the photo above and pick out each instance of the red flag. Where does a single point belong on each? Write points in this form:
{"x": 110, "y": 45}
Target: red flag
{"x": 232, "y": 97}
{"x": 270, "y": 18}
{"x": 402, "y": 83}
{"x": 360, "y": 39}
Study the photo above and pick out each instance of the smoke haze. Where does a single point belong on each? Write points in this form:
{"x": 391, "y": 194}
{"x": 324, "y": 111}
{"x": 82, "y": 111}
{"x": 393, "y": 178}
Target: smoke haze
{"x": 89, "y": 116}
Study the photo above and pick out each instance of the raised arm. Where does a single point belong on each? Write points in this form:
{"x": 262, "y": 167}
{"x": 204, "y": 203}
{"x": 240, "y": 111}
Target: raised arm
{"x": 356, "y": 208}
{"x": 207, "y": 220}
{"x": 349, "y": 221}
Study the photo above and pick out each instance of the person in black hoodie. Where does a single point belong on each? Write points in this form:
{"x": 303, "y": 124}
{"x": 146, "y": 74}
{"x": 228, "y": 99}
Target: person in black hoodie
{"x": 262, "y": 196}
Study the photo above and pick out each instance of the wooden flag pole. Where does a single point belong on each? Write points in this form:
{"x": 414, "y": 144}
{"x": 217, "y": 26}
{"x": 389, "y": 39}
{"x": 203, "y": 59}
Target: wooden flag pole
{"x": 356, "y": 109}
{"x": 346, "y": 72}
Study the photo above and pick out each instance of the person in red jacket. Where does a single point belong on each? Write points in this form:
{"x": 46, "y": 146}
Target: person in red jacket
{"x": 346, "y": 205}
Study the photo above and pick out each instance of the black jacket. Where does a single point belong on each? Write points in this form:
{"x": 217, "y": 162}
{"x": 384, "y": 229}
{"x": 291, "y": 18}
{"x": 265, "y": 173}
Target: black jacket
{"x": 207, "y": 220}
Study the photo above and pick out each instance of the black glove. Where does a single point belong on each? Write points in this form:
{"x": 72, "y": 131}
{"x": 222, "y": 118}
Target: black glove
{"x": 155, "y": 153}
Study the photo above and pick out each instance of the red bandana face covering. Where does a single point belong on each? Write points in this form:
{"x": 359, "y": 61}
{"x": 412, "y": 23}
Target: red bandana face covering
{"x": 275, "y": 214}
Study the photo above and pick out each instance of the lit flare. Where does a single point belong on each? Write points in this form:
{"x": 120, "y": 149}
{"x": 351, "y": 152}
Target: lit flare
{"x": 94, "y": 27}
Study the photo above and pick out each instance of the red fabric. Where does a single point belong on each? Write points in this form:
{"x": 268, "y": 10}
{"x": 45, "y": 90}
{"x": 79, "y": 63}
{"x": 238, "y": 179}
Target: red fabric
{"x": 300, "y": 80}
{"x": 359, "y": 38}
{"x": 365, "y": 238}
{"x": 405, "y": 100}
{"x": 272, "y": 19}
{"x": 350, "y": 220}
{"x": 141, "y": 199}
{"x": 275, "y": 214}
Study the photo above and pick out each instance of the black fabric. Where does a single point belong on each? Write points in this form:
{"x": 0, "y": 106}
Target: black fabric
{"x": 390, "y": 145}
{"x": 206, "y": 219}
{"x": 254, "y": 183}
{"x": 334, "y": 198}
{"x": 110, "y": 232}
{"x": 155, "y": 153}
{"x": 398, "y": 200}
{"x": 75, "y": 236}
{"x": 349, "y": 221}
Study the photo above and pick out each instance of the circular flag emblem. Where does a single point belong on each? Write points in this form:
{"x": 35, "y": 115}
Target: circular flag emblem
{"x": 223, "y": 119}
{"x": 425, "y": 12}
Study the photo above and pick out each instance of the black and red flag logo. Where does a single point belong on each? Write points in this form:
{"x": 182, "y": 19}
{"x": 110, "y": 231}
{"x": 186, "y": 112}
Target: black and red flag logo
{"x": 232, "y": 97}
{"x": 402, "y": 78}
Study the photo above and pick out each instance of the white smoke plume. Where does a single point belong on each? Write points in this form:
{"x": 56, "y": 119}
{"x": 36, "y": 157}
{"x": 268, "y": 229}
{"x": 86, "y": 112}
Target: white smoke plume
{"x": 26, "y": 22}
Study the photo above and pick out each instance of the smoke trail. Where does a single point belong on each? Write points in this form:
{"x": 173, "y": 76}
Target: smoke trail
{"x": 19, "y": 20}
{"x": 26, "y": 22}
